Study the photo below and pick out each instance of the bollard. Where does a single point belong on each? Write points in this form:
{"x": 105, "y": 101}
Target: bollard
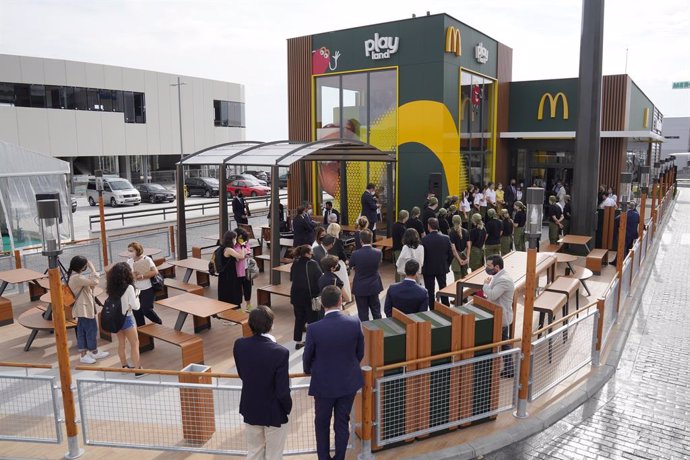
{"x": 367, "y": 410}
{"x": 196, "y": 406}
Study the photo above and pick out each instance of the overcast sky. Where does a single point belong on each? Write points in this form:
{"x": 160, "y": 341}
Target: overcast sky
{"x": 245, "y": 41}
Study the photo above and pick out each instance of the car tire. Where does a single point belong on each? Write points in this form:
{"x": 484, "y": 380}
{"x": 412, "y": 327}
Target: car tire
{"x": 92, "y": 202}
{"x": 113, "y": 203}
{"x": 152, "y": 199}
{"x": 207, "y": 194}
{"x": 253, "y": 194}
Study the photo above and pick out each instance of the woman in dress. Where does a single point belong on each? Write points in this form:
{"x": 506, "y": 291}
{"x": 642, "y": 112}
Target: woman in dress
{"x": 120, "y": 284}
{"x": 338, "y": 250}
{"x": 229, "y": 284}
{"x": 412, "y": 249}
{"x": 304, "y": 275}
{"x": 242, "y": 247}
{"x": 475, "y": 246}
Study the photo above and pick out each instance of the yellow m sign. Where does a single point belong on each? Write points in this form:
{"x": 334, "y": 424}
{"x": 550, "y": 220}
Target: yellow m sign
{"x": 553, "y": 103}
{"x": 453, "y": 41}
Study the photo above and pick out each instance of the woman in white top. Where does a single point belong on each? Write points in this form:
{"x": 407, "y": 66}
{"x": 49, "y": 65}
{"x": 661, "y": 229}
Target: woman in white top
{"x": 120, "y": 283}
{"x": 143, "y": 269}
{"x": 412, "y": 249}
{"x": 479, "y": 201}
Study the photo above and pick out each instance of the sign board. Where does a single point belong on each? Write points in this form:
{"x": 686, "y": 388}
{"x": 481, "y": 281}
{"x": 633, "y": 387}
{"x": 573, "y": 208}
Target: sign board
{"x": 381, "y": 47}
{"x": 681, "y": 85}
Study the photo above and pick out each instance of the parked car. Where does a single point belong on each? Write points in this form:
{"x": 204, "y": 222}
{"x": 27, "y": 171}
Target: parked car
{"x": 116, "y": 192}
{"x": 261, "y": 175}
{"x": 282, "y": 180}
{"x": 247, "y": 177}
{"x": 248, "y": 188}
{"x": 155, "y": 193}
{"x": 203, "y": 186}
{"x": 74, "y": 204}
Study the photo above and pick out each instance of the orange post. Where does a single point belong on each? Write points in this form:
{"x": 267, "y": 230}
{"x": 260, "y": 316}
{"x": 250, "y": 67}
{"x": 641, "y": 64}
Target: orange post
{"x": 643, "y": 204}
{"x": 17, "y": 259}
{"x": 601, "y": 306}
{"x": 530, "y": 292}
{"x": 367, "y": 411}
{"x": 620, "y": 252}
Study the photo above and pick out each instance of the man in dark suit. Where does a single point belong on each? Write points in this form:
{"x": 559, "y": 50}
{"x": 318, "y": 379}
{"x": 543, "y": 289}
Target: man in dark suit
{"x": 265, "y": 402}
{"x": 370, "y": 206}
{"x": 239, "y": 209}
{"x": 303, "y": 227}
{"x": 321, "y": 250}
{"x": 407, "y": 296}
{"x": 328, "y": 211}
{"x": 437, "y": 257}
{"x": 333, "y": 351}
{"x": 632, "y": 226}
{"x": 367, "y": 285}
{"x": 510, "y": 196}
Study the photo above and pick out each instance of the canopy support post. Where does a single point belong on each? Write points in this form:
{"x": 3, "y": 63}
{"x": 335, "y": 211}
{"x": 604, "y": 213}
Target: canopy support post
{"x": 275, "y": 225}
{"x": 344, "y": 218}
{"x": 223, "y": 200}
{"x": 390, "y": 200}
{"x": 181, "y": 217}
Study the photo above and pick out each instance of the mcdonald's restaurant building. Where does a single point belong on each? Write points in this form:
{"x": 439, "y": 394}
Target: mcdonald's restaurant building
{"x": 439, "y": 94}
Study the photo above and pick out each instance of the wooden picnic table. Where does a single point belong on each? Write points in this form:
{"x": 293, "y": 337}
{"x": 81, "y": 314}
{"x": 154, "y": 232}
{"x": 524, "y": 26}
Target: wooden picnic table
{"x": 577, "y": 240}
{"x": 202, "y": 308}
{"x": 147, "y": 252}
{"x": 386, "y": 243}
{"x": 564, "y": 258}
{"x": 191, "y": 264}
{"x": 283, "y": 268}
{"x": 18, "y": 276}
{"x": 48, "y": 314}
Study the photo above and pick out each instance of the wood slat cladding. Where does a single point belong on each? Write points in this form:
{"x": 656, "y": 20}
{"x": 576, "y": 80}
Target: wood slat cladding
{"x": 299, "y": 111}
{"x": 612, "y": 160}
{"x": 504, "y": 76}
{"x": 614, "y": 104}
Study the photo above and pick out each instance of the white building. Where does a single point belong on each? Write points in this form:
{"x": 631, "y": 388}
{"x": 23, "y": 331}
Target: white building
{"x": 121, "y": 120}
{"x": 676, "y": 135}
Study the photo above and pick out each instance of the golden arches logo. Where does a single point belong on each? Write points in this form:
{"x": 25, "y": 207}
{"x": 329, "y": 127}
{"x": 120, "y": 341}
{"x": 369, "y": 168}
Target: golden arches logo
{"x": 453, "y": 41}
{"x": 553, "y": 103}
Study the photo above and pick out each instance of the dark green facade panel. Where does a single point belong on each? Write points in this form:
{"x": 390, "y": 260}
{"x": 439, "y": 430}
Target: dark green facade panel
{"x": 415, "y": 163}
{"x": 638, "y": 102}
{"x": 525, "y": 98}
{"x": 470, "y": 38}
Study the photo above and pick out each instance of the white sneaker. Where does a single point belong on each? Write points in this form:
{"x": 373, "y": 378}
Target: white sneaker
{"x": 87, "y": 359}
{"x": 99, "y": 354}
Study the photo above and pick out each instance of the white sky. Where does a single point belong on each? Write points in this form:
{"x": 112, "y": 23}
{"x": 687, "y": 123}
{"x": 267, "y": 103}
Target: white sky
{"x": 245, "y": 42}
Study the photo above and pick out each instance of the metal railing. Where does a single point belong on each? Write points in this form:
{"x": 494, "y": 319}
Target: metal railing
{"x": 7, "y": 263}
{"x": 158, "y": 238}
{"x": 610, "y": 317}
{"x": 424, "y": 401}
{"x": 626, "y": 278}
{"x": 561, "y": 353}
{"x": 171, "y": 211}
{"x": 29, "y": 405}
{"x": 175, "y": 416}
{"x": 34, "y": 259}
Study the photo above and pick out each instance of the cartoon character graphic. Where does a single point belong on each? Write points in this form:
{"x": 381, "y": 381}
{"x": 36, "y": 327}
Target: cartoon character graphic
{"x": 321, "y": 60}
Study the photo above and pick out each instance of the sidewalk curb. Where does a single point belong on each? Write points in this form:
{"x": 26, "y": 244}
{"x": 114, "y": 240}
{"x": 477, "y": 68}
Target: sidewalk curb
{"x": 560, "y": 409}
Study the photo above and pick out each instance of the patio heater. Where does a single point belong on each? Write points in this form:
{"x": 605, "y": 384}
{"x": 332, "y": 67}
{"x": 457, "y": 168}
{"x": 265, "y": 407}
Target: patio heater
{"x": 49, "y": 221}
{"x": 626, "y": 187}
{"x": 644, "y": 179}
{"x": 535, "y": 214}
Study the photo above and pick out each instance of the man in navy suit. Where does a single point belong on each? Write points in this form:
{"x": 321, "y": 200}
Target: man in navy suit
{"x": 370, "y": 206}
{"x": 437, "y": 257}
{"x": 407, "y": 296}
{"x": 265, "y": 402}
{"x": 367, "y": 285}
{"x": 333, "y": 351}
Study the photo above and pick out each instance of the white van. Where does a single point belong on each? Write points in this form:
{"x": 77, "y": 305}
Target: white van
{"x": 116, "y": 192}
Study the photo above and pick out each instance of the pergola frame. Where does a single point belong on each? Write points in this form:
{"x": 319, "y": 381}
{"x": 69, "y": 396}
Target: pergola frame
{"x": 274, "y": 155}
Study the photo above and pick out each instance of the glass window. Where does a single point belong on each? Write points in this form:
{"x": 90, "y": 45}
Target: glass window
{"x": 22, "y": 95}
{"x": 55, "y": 97}
{"x": 38, "y": 96}
{"x": 235, "y": 114}
{"x": 217, "y": 118}
{"x": 355, "y": 109}
{"x": 106, "y": 97}
{"x": 118, "y": 103}
{"x": 128, "y": 97}
{"x": 139, "y": 108}
{"x": 224, "y": 113}
{"x": 69, "y": 98}
{"x": 227, "y": 113}
{"x": 476, "y": 126}
{"x": 7, "y": 93}
{"x": 328, "y": 107}
{"x": 80, "y": 98}
{"x": 93, "y": 99}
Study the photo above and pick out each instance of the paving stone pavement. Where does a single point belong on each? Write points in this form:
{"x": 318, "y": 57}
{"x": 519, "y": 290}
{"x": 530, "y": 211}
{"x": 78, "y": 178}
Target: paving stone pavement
{"x": 643, "y": 412}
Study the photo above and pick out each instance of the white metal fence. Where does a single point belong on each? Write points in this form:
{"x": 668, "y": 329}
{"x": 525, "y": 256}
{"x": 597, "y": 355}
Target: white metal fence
{"x": 625, "y": 280}
{"x": 29, "y": 409}
{"x": 610, "y": 310}
{"x": 428, "y": 400}
{"x": 176, "y": 416}
{"x": 561, "y": 353}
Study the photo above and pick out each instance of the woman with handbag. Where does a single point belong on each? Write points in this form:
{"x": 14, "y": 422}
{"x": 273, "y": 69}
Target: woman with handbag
{"x": 84, "y": 308}
{"x": 242, "y": 247}
{"x": 226, "y": 258}
{"x": 338, "y": 250}
{"x": 304, "y": 291}
{"x": 143, "y": 270}
{"x": 412, "y": 249}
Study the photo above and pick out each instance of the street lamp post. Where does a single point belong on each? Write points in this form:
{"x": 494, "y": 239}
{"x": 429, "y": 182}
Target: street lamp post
{"x": 535, "y": 214}
{"x": 626, "y": 187}
{"x": 179, "y": 182}
{"x": 101, "y": 213}
{"x": 644, "y": 179}
{"x": 49, "y": 215}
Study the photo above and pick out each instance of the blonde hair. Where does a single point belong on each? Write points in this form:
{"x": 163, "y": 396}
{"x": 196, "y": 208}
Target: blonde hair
{"x": 477, "y": 220}
{"x": 333, "y": 230}
{"x": 138, "y": 248}
{"x": 362, "y": 222}
{"x": 457, "y": 223}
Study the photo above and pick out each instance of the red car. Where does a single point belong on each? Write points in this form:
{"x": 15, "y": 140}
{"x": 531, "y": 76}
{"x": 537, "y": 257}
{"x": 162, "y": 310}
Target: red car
{"x": 248, "y": 188}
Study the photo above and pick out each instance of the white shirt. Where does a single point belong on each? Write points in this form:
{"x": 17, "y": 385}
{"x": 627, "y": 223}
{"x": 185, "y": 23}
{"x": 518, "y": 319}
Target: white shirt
{"x": 408, "y": 253}
{"x": 269, "y": 336}
{"x": 129, "y": 301}
{"x": 490, "y": 196}
{"x": 479, "y": 199}
{"x": 328, "y": 312}
{"x": 608, "y": 202}
{"x": 561, "y": 196}
{"x": 145, "y": 261}
{"x": 465, "y": 205}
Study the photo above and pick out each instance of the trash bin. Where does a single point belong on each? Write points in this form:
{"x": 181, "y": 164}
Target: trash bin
{"x": 196, "y": 406}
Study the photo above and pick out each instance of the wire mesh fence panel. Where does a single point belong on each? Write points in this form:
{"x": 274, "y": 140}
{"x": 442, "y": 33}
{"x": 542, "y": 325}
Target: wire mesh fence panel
{"x": 7, "y": 263}
{"x": 29, "y": 409}
{"x": 91, "y": 250}
{"x": 561, "y": 353}
{"x": 610, "y": 310}
{"x": 625, "y": 281}
{"x": 643, "y": 247}
{"x": 159, "y": 239}
{"x": 446, "y": 395}
{"x": 180, "y": 416}
{"x": 198, "y": 234}
{"x": 637, "y": 259}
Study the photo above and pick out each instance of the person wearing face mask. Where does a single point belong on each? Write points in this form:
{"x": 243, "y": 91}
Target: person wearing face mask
{"x": 519, "y": 224}
{"x": 500, "y": 198}
{"x": 499, "y": 288}
{"x": 510, "y": 196}
{"x": 370, "y": 206}
{"x": 143, "y": 269}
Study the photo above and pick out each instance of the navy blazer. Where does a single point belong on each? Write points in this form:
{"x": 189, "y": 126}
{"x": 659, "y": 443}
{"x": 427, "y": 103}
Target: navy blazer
{"x": 303, "y": 228}
{"x": 632, "y": 226}
{"x": 437, "y": 254}
{"x": 333, "y": 350}
{"x": 369, "y": 207}
{"x": 407, "y": 296}
{"x": 263, "y": 367}
{"x": 238, "y": 207}
{"x": 366, "y": 262}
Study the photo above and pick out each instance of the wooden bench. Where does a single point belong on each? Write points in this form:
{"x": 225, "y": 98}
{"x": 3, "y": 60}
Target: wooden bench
{"x": 260, "y": 259}
{"x": 547, "y": 247}
{"x": 263, "y": 294}
{"x": 6, "y": 315}
{"x": 596, "y": 260}
{"x": 568, "y": 286}
{"x": 164, "y": 268}
{"x": 33, "y": 319}
{"x": 237, "y": 317}
{"x": 548, "y": 303}
{"x": 582, "y": 274}
{"x": 172, "y": 283}
{"x": 202, "y": 279}
{"x": 192, "y": 347}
